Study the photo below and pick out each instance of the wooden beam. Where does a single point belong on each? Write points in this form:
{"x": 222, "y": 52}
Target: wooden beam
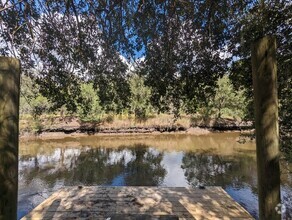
{"x": 264, "y": 73}
{"x": 9, "y": 117}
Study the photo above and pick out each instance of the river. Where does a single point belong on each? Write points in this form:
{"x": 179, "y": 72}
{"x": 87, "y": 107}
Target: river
{"x": 216, "y": 159}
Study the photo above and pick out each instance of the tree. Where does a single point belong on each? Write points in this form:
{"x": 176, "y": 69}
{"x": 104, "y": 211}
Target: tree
{"x": 191, "y": 35}
{"x": 240, "y": 75}
{"x": 88, "y": 106}
{"x": 229, "y": 101}
{"x": 268, "y": 18}
{"x": 186, "y": 61}
{"x": 140, "y": 97}
{"x": 261, "y": 19}
{"x": 28, "y": 91}
{"x": 31, "y": 100}
{"x": 34, "y": 32}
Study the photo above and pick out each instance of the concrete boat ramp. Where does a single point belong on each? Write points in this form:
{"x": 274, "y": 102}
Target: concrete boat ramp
{"x": 139, "y": 203}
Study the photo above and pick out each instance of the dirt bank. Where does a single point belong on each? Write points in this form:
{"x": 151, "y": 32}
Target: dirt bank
{"x": 70, "y": 126}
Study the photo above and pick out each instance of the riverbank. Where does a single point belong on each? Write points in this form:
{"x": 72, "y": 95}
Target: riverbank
{"x": 60, "y": 127}
{"x": 111, "y": 132}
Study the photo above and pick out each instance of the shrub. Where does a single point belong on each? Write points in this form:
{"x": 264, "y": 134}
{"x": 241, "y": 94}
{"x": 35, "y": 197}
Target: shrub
{"x": 88, "y": 107}
{"x": 140, "y": 97}
{"x": 228, "y": 101}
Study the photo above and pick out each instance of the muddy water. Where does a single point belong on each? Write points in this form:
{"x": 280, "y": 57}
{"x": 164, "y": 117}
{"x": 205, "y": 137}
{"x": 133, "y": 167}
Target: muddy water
{"x": 143, "y": 160}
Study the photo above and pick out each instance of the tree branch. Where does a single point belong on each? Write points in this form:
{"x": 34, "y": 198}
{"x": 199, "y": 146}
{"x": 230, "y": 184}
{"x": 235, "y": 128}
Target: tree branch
{"x": 10, "y": 6}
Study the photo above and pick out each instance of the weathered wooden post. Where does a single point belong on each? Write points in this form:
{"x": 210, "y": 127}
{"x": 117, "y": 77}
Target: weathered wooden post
{"x": 9, "y": 115}
{"x": 264, "y": 73}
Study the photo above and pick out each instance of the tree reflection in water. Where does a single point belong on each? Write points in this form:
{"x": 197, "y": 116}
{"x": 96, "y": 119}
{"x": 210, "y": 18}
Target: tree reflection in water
{"x": 215, "y": 170}
{"x": 146, "y": 168}
{"x": 138, "y": 165}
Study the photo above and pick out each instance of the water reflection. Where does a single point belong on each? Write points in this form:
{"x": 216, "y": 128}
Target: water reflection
{"x": 136, "y": 166}
{"x": 236, "y": 174}
{"x": 219, "y": 170}
{"x": 164, "y": 160}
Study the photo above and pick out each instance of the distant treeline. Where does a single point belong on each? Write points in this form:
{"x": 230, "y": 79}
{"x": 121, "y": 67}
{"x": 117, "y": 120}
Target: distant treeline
{"x": 226, "y": 101}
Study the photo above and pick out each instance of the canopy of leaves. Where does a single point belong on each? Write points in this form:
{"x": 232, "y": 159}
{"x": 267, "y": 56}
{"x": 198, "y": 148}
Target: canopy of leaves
{"x": 64, "y": 42}
{"x": 186, "y": 45}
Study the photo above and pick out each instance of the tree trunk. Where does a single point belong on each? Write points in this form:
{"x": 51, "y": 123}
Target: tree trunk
{"x": 9, "y": 115}
{"x": 264, "y": 72}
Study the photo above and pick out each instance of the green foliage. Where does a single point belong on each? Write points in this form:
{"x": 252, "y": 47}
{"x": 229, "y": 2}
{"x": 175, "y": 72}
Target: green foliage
{"x": 37, "y": 125}
{"x": 31, "y": 101}
{"x": 40, "y": 105}
{"x": 266, "y": 18}
{"x": 228, "y": 101}
{"x": 140, "y": 97}
{"x": 285, "y": 91}
{"x": 109, "y": 118}
{"x": 27, "y": 92}
{"x": 241, "y": 76}
{"x": 88, "y": 107}
{"x": 206, "y": 112}
{"x": 286, "y": 147}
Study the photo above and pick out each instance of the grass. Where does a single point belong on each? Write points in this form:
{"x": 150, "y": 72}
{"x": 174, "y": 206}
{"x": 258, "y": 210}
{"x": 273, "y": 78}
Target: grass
{"x": 152, "y": 121}
{"x": 34, "y": 125}
{"x": 29, "y": 124}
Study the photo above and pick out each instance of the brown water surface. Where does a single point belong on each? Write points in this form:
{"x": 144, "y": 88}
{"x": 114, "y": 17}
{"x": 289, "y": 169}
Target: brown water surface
{"x": 216, "y": 159}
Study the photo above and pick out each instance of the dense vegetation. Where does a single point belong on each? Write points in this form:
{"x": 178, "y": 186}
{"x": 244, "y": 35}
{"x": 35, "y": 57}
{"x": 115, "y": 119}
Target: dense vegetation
{"x": 226, "y": 102}
{"x": 91, "y": 58}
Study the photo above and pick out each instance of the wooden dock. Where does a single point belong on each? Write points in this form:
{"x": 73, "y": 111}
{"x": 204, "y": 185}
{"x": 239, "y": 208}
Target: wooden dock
{"x": 141, "y": 203}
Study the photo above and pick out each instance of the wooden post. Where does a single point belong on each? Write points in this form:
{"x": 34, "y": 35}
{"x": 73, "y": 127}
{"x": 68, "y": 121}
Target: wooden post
{"x": 264, "y": 74}
{"x": 9, "y": 115}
